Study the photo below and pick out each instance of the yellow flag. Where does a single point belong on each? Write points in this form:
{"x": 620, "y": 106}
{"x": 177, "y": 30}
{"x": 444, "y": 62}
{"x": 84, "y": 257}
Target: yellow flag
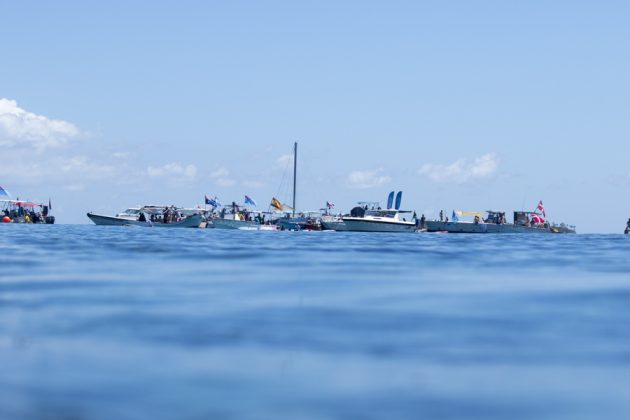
{"x": 276, "y": 204}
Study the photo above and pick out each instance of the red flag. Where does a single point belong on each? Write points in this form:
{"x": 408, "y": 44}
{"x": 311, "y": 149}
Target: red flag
{"x": 541, "y": 208}
{"x": 537, "y": 219}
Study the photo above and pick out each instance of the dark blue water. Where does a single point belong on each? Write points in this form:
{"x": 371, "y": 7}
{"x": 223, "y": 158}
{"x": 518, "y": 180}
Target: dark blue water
{"x": 131, "y": 323}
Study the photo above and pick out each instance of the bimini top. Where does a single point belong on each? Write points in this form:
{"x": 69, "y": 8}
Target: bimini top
{"x": 21, "y": 203}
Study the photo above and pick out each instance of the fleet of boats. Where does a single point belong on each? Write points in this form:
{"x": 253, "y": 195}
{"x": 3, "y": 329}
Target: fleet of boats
{"x": 365, "y": 217}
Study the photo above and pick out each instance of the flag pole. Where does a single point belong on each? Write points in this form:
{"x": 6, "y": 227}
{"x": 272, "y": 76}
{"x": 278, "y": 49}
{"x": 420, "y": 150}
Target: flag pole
{"x": 294, "y": 173}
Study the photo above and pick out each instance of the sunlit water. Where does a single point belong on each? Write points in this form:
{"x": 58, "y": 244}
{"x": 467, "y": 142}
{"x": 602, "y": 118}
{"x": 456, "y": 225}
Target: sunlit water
{"x": 132, "y": 323}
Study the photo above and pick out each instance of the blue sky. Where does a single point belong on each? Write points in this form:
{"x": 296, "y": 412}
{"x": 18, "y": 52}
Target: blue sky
{"x": 462, "y": 105}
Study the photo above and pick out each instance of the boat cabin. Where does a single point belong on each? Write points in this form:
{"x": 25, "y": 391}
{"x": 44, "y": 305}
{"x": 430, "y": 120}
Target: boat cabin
{"x": 495, "y": 217}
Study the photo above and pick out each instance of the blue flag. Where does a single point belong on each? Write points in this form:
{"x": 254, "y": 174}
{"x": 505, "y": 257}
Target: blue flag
{"x": 390, "y": 200}
{"x": 249, "y": 200}
{"x": 398, "y": 200}
{"x": 4, "y": 193}
{"x": 214, "y": 202}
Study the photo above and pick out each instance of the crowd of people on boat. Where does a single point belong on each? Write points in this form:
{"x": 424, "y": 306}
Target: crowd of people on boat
{"x": 23, "y": 215}
{"x": 166, "y": 215}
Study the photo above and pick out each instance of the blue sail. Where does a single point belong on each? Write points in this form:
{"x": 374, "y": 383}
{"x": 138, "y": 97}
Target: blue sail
{"x": 398, "y": 200}
{"x": 390, "y": 200}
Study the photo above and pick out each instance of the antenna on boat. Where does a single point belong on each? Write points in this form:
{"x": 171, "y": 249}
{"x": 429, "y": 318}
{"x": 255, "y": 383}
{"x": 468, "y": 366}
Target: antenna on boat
{"x": 294, "y": 173}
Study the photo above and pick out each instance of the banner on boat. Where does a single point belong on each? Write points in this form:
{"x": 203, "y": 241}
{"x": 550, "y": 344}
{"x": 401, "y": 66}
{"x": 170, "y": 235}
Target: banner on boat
{"x": 469, "y": 213}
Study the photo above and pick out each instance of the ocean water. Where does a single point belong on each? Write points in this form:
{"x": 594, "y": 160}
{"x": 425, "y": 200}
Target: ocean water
{"x": 131, "y": 323}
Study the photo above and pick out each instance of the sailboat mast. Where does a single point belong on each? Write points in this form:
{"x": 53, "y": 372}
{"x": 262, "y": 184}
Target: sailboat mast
{"x": 294, "y": 174}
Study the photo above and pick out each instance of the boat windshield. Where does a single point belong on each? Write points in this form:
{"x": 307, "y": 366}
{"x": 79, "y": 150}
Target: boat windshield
{"x": 381, "y": 213}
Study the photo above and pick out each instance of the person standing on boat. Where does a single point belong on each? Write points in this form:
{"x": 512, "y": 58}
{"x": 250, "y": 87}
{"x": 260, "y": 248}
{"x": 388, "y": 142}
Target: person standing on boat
{"x": 627, "y": 231}
{"x": 441, "y": 215}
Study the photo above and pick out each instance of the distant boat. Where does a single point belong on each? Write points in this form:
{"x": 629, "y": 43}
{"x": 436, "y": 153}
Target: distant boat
{"x": 304, "y": 220}
{"x": 239, "y": 217}
{"x": 330, "y": 222}
{"x": 378, "y": 220}
{"x": 21, "y": 211}
{"x": 152, "y": 216}
{"x": 495, "y": 222}
{"x": 366, "y": 218}
{"x": 309, "y": 220}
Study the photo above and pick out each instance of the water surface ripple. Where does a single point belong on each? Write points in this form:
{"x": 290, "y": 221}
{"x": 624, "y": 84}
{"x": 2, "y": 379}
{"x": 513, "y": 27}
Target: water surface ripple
{"x": 126, "y": 323}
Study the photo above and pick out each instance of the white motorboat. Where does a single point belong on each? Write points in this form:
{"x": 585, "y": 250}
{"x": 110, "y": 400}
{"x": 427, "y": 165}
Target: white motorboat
{"x": 378, "y": 220}
{"x": 152, "y": 216}
{"x": 388, "y": 220}
{"x": 369, "y": 217}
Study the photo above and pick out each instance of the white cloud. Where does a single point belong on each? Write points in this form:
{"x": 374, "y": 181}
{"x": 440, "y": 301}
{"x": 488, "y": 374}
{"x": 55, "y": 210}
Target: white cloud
{"x": 221, "y": 177}
{"x": 225, "y": 182}
{"x": 57, "y": 170}
{"x": 219, "y": 173}
{"x": 367, "y": 179}
{"x": 120, "y": 155}
{"x": 462, "y": 170}
{"x": 86, "y": 168}
{"x": 253, "y": 184}
{"x": 20, "y": 128}
{"x": 172, "y": 170}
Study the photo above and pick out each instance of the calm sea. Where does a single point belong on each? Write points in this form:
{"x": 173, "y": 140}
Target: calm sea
{"x": 129, "y": 323}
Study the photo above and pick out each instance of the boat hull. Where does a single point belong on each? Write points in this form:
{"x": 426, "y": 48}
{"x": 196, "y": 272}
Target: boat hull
{"x": 465, "y": 227}
{"x": 190, "y": 222}
{"x": 337, "y": 225}
{"x": 234, "y": 224}
{"x": 260, "y": 227}
{"x": 362, "y": 225}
